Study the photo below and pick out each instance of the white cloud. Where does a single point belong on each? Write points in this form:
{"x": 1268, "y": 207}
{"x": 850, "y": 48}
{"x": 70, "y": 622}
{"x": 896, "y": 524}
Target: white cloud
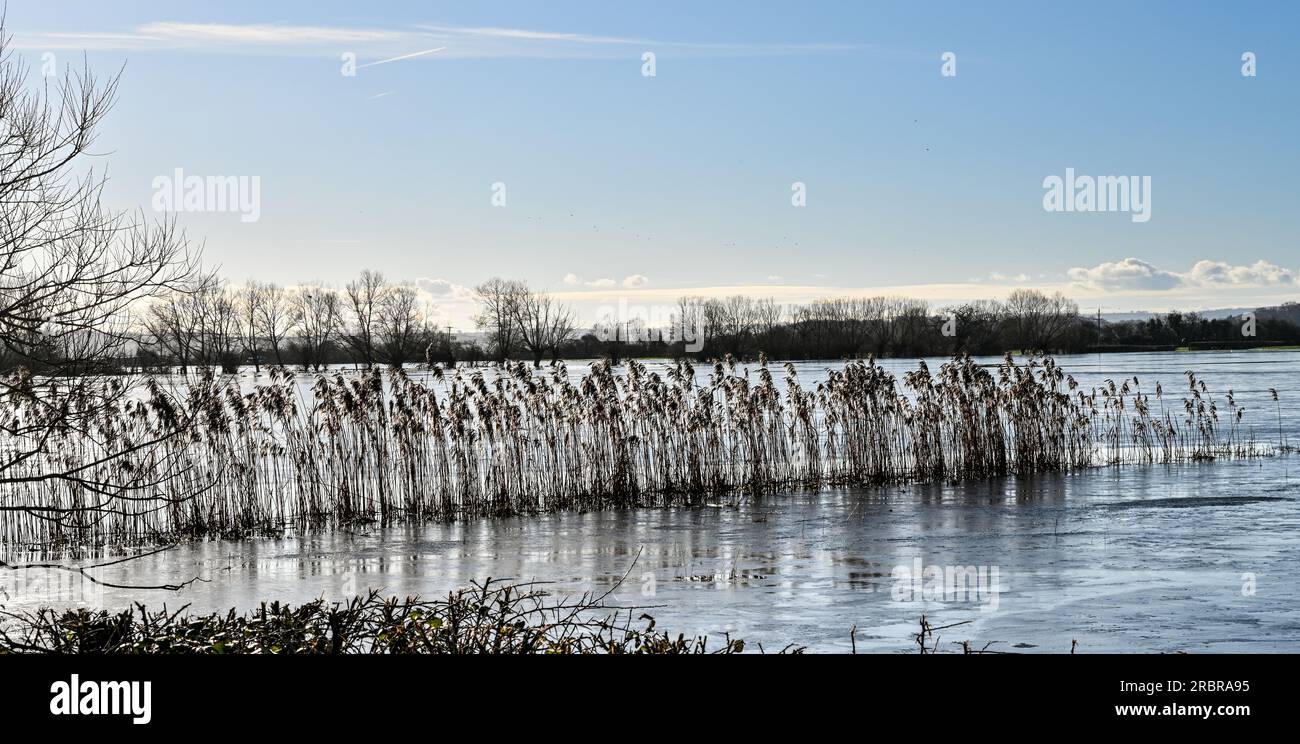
{"x": 443, "y": 290}
{"x": 1136, "y": 274}
{"x": 635, "y": 281}
{"x": 267, "y": 34}
{"x": 448, "y": 303}
{"x": 1260, "y": 274}
{"x": 1129, "y": 274}
{"x": 392, "y": 43}
{"x": 519, "y": 33}
{"x": 998, "y": 276}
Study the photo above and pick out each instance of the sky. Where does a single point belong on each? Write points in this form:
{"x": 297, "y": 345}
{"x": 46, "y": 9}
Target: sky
{"x": 525, "y": 140}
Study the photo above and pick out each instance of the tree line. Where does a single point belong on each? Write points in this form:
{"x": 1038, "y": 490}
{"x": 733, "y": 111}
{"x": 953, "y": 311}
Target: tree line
{"x": 882, "y": 326}
{"x": 370, "y": 322}
{"x": 1270, "y": 326}
{"x": 373, "y": 321}
{"x": 835, "y": 328}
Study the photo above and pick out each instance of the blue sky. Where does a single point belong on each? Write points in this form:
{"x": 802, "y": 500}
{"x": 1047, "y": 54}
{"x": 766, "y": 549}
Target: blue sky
{"x": 644, "y": 188}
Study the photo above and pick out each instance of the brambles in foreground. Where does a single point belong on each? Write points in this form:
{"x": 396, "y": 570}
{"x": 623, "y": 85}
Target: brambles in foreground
{"x": 488, "y": 618}
{"x": 382, "y": 447}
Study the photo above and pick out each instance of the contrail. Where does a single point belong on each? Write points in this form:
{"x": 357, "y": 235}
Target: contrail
{"x": 404, "y": 56}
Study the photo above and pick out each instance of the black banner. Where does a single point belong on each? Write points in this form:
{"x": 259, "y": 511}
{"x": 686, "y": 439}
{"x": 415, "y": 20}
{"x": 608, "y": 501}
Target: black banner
{"x": 179, "y": 695}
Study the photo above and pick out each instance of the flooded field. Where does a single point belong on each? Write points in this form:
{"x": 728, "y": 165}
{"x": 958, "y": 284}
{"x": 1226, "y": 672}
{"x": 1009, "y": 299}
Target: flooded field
{"x": 1196, "y": 556}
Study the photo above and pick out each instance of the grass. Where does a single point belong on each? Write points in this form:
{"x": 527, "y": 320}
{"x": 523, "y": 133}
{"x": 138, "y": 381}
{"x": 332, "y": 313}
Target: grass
{"x": 382, "y": 447}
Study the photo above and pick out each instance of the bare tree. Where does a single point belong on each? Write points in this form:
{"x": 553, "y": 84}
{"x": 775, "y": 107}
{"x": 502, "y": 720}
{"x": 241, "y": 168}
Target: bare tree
{"x": 690, "y": 322}
{"x": 975, "y": 325}
{"x": 364, "y": 297}
{"x": 198, "y": 323}
{"x": 563, "y": 323}
{"x": 869, "y": 319}
{"x": 74, "y": 276}
{"x": 317, "y": 314}
{"x": 822, "y": 324}
{"x": 248, "y": 301}
{"x": 172, "y": 324}
{"x": 1037, "y": 321}
{"x": 273, "y": 318}
{"x": 906, "y": 322}
{"x": 218, "y": 317}
{"x": 498, "y": 312}
{"x": 767, "y": 315}
{"x": 543, "y": 324}
{"x": 402, "y": 332}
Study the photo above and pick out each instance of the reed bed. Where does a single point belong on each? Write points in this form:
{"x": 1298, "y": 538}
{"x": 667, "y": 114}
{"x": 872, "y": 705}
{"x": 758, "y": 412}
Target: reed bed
{"x": 380, "y": 446}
